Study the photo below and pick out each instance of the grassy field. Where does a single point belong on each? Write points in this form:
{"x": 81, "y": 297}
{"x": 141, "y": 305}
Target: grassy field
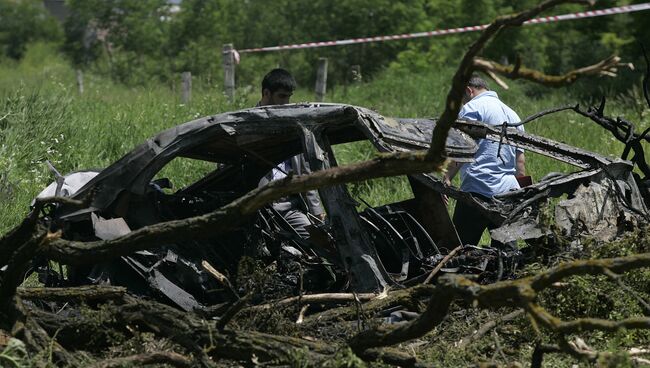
{"x": 43, "y": 117}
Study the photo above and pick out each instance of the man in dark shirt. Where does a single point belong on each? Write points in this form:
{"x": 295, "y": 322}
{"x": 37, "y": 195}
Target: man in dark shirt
{"x": 277, "y": 88}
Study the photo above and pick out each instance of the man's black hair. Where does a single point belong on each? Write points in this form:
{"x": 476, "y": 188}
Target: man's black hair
{"x": 278, "y": 79}
{"x": 478, "y": 82}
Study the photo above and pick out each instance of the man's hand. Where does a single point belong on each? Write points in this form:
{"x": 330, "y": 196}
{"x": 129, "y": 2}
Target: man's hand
{"x": 520, "y": 164}
{"x": 322, "y": 216}
{"x": 452, "y": 170}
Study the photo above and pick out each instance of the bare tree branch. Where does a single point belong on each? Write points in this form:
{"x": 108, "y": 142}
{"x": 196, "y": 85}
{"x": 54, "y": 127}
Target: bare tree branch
{"x": 160, "y": 357}
{"x": 77, "y": 294}
{"x": 607, "y": 67}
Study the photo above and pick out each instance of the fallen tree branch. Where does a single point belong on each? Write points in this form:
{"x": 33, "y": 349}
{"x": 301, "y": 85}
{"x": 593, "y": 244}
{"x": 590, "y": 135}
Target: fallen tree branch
{"x": 160, "y": 357}
{"x": 393, "y": 357}
{"x": 79, "y": 293}
{"x": 522, "y": 293}
{"x": 18, "y": 236}
{"x": 409, "y": 298}
{"x": 542, "y": 113}
{"x": 198, "y": 336}
{"x": 36, "y": 338}
{"x": 538, "y": 354}
{"x": 17, "y": 267}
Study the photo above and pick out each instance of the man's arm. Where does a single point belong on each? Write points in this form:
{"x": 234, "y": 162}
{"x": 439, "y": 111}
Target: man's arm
{"x": 452, "y": 170}
{"x": 521, "y": 164}
{"x": 314, "y": 205}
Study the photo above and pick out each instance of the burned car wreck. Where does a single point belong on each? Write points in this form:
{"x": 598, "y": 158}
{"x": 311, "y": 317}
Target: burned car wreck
{"x": 390, "y": 245}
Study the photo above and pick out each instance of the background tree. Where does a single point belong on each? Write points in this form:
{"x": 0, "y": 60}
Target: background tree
{"x": 137, "y": 41}
{"x": 132, "y": 35}
{"x": 22, "y": 22}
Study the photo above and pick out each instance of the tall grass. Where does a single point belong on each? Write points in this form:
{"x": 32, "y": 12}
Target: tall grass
{"x": 42, "y": 117}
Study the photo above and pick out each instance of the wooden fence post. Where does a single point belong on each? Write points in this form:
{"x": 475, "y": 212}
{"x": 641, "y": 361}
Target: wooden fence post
{"x": 229, "y": 71}
{"x": 355, "y": 73}
{"x": 80, "y": 81}
{"x": 321, "y": 79}
{"x": 186, "y": 95}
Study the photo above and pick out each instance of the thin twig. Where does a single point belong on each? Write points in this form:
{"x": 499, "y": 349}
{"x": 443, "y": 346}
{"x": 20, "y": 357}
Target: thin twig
{"x": 442, "y": 263}
{"x": 497, "y": 345}
{"x": 617, "y": 279}
{"x": 543, "y": 113}
{"x": 223, "y": 280}
{"x": 301, "y": 314}
{"x": 359, "y": 307}
{"x": 318, "y": 298}
{"x": 232, "y": 311}
{"x": 489, "y": 326}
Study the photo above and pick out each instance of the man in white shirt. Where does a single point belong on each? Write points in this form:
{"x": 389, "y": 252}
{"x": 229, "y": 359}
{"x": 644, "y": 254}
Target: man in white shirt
{"x": 492, "y": 172}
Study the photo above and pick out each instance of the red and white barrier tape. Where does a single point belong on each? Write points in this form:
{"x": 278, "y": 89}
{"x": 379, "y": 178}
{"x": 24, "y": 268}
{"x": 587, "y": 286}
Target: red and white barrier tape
{"x": 549, "y": 19}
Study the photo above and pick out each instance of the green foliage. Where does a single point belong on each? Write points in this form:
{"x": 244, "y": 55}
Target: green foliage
{"x": 136, "y": 41}
{"x": 43, "y": 117}
{"x": 23, "y": 22}
{"x": 131, "y": 33}
{"x": 39, "y": 103}
{"x": 14, "y": 354}
{"x": 345, "y": 358}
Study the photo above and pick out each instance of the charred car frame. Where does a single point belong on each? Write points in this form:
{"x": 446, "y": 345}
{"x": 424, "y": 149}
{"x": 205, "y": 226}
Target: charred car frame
{"x": 385, "y": 246}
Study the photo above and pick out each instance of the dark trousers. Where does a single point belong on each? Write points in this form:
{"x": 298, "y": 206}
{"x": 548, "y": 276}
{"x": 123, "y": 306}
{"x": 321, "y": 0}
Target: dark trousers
{"x": 470, "y": 224}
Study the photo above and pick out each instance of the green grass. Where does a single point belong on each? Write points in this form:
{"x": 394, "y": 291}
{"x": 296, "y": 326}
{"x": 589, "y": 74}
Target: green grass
{"x": 43, "y": 117}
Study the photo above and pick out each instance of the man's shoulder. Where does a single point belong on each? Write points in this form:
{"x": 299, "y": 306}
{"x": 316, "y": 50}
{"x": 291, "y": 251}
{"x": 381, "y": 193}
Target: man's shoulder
{"x": 479, "y": 104}
{"x": 484, "y": 99}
